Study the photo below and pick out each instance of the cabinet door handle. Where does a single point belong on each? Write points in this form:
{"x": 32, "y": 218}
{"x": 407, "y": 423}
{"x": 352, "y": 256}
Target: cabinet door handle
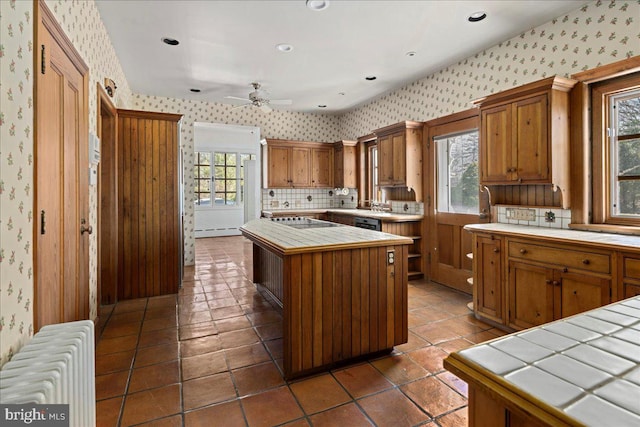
{"x": 586, "y": 262}
{"x": 523, "y": 251}
{"x": 496, "y": 250}
{"x": 556, "y": 283}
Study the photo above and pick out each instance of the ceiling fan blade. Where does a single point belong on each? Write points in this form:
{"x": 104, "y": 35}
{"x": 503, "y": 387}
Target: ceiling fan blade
{"x": 280, "y": 102}
{"x": 265, "y": 108}
{"x": 237, "y": 98}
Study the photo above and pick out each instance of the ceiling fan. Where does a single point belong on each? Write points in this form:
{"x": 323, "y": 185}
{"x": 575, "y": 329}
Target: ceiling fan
{"x": 258, "y": 98}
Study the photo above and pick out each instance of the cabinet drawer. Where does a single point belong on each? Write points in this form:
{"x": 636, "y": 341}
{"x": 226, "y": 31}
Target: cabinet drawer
{"x": 632, "y": 268}
{"x": 562, "y": 257}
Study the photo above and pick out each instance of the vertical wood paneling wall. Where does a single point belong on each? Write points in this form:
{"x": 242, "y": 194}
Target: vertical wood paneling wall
{"x": 149, "y": 223}
{"x": 338, "y": 305}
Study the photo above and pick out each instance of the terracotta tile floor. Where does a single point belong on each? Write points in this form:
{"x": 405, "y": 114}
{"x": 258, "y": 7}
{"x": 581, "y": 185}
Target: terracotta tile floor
{"x": 212, "y": 356}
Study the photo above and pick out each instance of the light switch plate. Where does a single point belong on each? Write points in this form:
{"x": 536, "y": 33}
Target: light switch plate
{"x": 274, "y": 203}
{"x": 521, "y": 214}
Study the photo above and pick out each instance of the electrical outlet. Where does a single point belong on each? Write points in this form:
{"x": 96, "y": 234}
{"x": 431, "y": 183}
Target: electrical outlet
{"x": 298, "y": 203}
{"x": 521, "y": 214}
{"x": 390, "y": 257}
{"x": 274, "y": 204}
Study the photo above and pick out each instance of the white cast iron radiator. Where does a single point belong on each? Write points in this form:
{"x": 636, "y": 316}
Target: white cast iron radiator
{"x": 56, "y": 366}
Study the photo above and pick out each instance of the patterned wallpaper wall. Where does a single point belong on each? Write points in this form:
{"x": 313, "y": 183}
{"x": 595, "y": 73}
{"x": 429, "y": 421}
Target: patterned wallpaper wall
{"x": 599, "y": 33}
{"x": 277, "y": 124}
{"x": 83, "y": 25}
{"x": 16, "y": 176}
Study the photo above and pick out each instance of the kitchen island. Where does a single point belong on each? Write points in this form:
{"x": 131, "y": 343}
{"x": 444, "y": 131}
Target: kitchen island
{"x": 342, "y": 290}
{"x": 580, "y": 371}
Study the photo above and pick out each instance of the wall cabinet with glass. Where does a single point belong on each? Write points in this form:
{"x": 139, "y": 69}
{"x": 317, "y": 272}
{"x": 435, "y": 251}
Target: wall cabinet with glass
{"x": 518, "y": 129}
{"x": 294, "y": 164}
{"x": 400, "y": 156}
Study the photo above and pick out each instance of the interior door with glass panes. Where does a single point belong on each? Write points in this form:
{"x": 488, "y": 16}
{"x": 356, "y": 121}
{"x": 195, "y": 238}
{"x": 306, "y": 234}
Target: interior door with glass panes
{"x": 219, "y": 189}
{"x": 454, "y": 199}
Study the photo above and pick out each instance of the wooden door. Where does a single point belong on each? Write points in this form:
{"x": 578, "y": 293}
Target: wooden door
{"x": 580, "y": 292}
{"x": 107, "y": 201}
{"x": 279, "y": 173}
{"x": 531, "y": 295}
{"x": 322, "y": 167}
{"x": 447, "y": 242}
{"x": 300, "y": 167}
{"x": 497, "y": 159}
{"x": 488, "y": 277}
{"x": 385, "y": 160}
{"x": 149, "y": 220}
{"x": 531, "y": 139}
{"x": 61, "y": 177}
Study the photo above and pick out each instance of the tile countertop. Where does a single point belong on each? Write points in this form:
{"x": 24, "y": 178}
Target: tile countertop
{"x": 288, "y": 240}
{"x": 384, "y": 216}
{"x": 620, "y": 241}
{"x": 585, "y": 366}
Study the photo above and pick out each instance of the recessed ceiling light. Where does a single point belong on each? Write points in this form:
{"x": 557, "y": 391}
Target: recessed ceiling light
{"x": 477, "y": 16}
{"x": 195, "y": 90}
{"x": 341, "y": 93}
{"x": 411, "y": 53}
{"x": 322, "y": 106}
{"x": 317, "y": 4}
{"x": 370, "y": 78}
{"x": 170, "y": 41}
{"x": 284, "y": 47}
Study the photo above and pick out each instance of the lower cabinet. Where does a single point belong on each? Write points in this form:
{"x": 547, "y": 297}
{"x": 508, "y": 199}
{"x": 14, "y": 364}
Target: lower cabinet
{"x": 521, "y": 283}
{"x": 630, "y": 276}
{"x": 539, "y": 294}
{"x": 488, "y": 280}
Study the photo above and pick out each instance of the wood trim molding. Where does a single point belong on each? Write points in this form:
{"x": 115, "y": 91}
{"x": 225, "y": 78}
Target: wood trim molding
{"x": 525, "y": 91}
{"x": 609, "y": 71}
{"x": 51, "y": 23}
{"x": 152, "y": 115}
{"x": 104, "y": 100}
{"x": 462, "y": 115}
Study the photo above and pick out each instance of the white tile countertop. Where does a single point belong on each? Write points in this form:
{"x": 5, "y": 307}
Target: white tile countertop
{"x": 586, "y": 366}
{"x": 287, "y": 240}
{"x": 621, "y": 241}
{"x": 384, "y": 216}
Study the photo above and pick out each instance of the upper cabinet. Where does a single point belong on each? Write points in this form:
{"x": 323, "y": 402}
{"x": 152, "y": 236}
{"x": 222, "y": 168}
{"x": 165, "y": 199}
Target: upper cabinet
{"x": 292, "y": 164}
{"x": 345, "y": 164}
{"x": 400, "y": 156}
{"x": 524, "y": 135}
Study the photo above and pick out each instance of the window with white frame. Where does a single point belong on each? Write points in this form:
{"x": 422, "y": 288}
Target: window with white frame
{"x": 219, "y": 178}
{"x": 458, "y": 172}
{"x": 616, "y": 150}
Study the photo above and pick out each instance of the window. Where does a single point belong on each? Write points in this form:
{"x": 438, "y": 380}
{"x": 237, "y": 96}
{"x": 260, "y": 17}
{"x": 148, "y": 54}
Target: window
{"x": 202, "y": 177}
{"x": 372, "y": 178}
{"x": 616, "y": 150}
{"x": 458, "y": 173}
{"x": 227, "y": 178}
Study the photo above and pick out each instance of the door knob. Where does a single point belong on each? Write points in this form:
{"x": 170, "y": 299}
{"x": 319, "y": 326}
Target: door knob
{"x": 523, "y": 251}
{"x": 88, "y": 230}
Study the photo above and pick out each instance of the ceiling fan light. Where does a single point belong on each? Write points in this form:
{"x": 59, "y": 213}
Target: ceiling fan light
{"x": 317, "y": 5}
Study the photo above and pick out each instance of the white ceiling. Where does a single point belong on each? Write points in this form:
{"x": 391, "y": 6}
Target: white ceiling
{"x": 226, "y": 45}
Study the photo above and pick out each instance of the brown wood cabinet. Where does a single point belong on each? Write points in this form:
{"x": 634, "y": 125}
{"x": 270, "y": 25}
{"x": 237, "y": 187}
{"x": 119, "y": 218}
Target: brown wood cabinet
{"x": 294, "y": 164}
{"x": 341, "y": 219}
{"x": 517, "y": 130}
{"x": 322, "y": 167}
{"x": 400, "y": 156}
{"x": 630, "y": 266}
{"x": 411, "y": 229}
{"x": 487, "y": 262}
{"x": 520, "y": 283}
{"x": 345, "y": 164}
{"x": 149, "y": 217}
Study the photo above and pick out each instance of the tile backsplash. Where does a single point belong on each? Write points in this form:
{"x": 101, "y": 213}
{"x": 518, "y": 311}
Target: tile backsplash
{"x": 413, "y": 208}
{"x": 540, "y": 217}
{"x": 307, "y": 198}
